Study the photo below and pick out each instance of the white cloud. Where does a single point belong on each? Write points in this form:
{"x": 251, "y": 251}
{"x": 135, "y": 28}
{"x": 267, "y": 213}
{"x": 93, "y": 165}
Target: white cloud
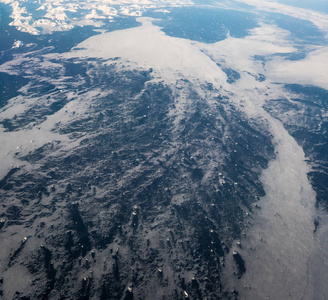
{"x": 318, "y": 19}
{"x": 107, "y": 10}
{"x": 148, "y": 47}
{"x": 238, "y": 54}
{"x": 312, "y": 70}
{"x": 94, "y": 15}
{"x": 55, "y": 11}
{"x": 21, "y": 19}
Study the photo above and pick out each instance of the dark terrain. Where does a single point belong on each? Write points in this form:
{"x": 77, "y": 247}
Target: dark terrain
{"x": 141, "y": 208}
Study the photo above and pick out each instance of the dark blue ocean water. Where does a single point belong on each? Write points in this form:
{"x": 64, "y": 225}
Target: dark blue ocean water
{"x": 303, "y": 34}
{"x": 302, "y": 31}
{"x": 204, "y": 24}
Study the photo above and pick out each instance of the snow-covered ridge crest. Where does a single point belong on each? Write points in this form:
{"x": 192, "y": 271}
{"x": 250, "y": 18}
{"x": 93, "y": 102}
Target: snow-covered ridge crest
{"x": 61, "y": 15}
